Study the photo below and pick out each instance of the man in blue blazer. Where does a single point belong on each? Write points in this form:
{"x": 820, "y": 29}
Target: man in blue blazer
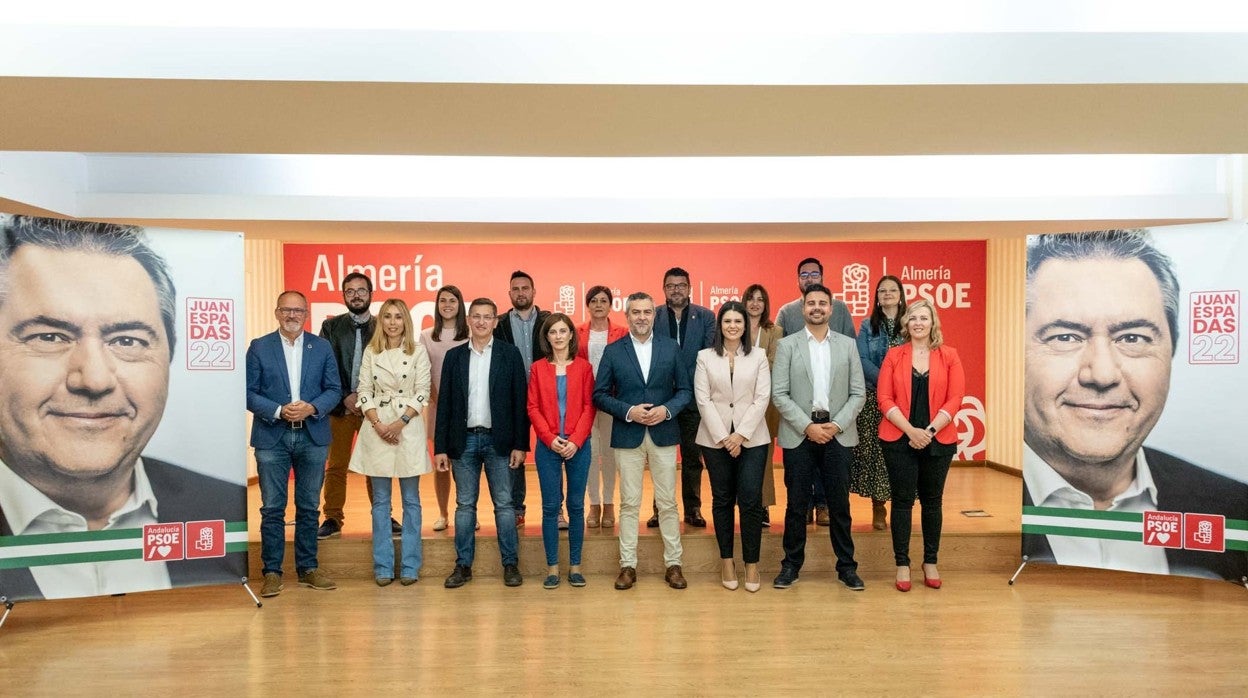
{"x": 643, "y": 384}
{"x": 292, "y": 386}
{"x": 483, "y": 423}
{"x": 693, "y": 328}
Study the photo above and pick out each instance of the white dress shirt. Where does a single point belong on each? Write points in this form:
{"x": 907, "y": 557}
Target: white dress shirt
{"x": 820, "y": 369}
{"x": 1049, "y": 489}
{"x": 479, "y": 385}
{"x": 645, "y": 352}
{"x": 29, "y": 511}
{"x": 293, "y": 350}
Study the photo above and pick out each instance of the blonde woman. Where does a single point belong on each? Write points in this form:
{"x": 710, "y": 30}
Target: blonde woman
{"x": 920, "y": 390}
{"x": 393, "y": 392}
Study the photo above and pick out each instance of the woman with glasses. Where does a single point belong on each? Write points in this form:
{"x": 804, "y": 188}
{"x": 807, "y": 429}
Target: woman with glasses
{"x": 393, "y": 391}
{"x": 592, "y": 339}
{"x": 880, "y": 331}
{"x": 450, "y": 329}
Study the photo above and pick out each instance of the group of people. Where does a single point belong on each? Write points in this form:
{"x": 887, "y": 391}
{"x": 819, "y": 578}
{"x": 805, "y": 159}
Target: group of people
{"x": 607, "y": 401}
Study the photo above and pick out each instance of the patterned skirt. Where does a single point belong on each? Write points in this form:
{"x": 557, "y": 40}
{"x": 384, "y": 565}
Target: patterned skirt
{"x": 867, "y": 474}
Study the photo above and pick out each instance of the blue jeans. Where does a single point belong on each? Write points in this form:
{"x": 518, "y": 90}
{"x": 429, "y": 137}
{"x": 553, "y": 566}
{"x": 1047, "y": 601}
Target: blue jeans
{"x": 550, "y": 467}
{"x": 383, "y": 545}
{"x": 478, "y": 452}
{"x": 294, "y": 451}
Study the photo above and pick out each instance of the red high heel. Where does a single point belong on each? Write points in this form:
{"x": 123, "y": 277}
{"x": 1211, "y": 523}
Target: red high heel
{"x": 930, "y": 582}
{"x": 903, "y": 585}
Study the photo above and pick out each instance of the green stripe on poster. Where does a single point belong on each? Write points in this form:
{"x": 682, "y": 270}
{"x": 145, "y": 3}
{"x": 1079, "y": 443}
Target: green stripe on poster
{"x": 94, "y": 536}
{"x": 1237, "y": 524}
{"x": 72, "y": 558}
{"x": 1082, "y": 532}
{"x": 1085, "y": 514}
{"x": 1237, "y": 545}
{"x": 237, "y": 547}
{"x": 79, "y": 537}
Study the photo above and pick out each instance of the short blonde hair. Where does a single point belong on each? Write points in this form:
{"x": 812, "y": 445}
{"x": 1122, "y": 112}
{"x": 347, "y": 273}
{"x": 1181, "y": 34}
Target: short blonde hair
{"x": 935, "y": 337}
{"x": 378, "y": 342}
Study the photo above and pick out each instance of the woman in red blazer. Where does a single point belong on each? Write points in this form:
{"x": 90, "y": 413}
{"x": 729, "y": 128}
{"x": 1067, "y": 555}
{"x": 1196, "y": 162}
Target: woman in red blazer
{"x": 592, "y": 338}
{"x": 561, "y": 410}
{"x": 920, "y": 390}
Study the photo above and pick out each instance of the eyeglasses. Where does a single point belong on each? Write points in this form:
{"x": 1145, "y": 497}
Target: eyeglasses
{"x": 360, "y": 292}
{"x": 675, "y": 287}
{"x": 292, "y": 311}
{"x": 480, "y": 318}
{"x": 808, "y": 275}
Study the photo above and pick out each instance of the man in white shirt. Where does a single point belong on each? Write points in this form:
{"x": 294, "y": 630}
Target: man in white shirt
{"x": 643, "y": 384}
{"x": 292, "y": 387}
{"x": 483, "y": 424}
{"x": 818, "y": 388}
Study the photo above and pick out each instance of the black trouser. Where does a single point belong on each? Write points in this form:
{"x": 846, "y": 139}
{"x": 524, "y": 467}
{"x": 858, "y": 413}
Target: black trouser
{"x": 690, "y": 461}
{"x": 737, "y": 482}
{"x": 914, "y": 472}
{"x": 828, "y": 463}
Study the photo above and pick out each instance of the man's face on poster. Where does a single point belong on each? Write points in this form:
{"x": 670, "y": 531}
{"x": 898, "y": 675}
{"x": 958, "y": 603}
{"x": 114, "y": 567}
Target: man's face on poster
{"x": 84, "y": 365}
{"x": 1098, "y": 352}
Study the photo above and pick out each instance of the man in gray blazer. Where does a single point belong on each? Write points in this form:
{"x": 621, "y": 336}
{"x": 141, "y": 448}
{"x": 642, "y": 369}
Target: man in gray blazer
{"x": 818, "y": 388}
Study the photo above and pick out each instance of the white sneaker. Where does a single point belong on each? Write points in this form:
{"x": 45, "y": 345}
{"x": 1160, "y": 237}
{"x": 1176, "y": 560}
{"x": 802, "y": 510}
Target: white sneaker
{"x": 440, "y": 524}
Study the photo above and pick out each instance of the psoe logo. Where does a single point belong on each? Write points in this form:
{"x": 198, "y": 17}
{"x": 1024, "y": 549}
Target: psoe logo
{"x": 163, "y": 542}
{"x": 1204, "y": 532}
{"x": 1163, "y": 529}
{"x": 205, "y": 539}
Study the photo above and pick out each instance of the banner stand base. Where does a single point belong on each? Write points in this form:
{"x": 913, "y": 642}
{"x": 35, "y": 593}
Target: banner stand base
{"x": 242, "y": 581}
{"x": 8, "y": 607}
{"x": 1019, "y": 570}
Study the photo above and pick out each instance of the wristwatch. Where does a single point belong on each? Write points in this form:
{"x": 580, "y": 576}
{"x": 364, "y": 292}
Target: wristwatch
{"x": 931, "y": 429}
{"x": 405, "y": 418}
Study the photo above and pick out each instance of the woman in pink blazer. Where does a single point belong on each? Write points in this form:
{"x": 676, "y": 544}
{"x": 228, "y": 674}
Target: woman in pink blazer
{"x": 561, "y": 410}
{"x": 920, "y": 390}
{"x": 732, "y": 387}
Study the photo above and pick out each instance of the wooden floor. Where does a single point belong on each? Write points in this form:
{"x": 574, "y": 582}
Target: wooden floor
{"x": 1057, "y": 631}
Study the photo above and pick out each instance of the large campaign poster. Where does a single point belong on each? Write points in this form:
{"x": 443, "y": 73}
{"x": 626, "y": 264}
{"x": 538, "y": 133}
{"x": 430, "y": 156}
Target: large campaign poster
{"x": 1133, "y": 401}
{"x": 122, "y": 398}
{"x": 950, "y": 274}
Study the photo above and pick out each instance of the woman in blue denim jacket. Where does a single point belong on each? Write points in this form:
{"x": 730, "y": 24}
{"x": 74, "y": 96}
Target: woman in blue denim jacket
{"x": 879, "y": 332}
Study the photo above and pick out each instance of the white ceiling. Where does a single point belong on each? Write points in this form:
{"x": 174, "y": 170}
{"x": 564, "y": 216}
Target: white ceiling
{"x": 966, "y": 111}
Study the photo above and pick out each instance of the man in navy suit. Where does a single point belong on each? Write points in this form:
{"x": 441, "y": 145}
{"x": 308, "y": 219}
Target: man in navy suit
{"x": 483, "y": 423}
{"x": 643, "y": 384}
{"x": 292, "y": 386}
{"x": 693, "y": 328}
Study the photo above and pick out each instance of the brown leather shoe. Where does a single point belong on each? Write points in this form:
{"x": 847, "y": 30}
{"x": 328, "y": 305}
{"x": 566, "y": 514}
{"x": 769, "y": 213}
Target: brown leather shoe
{"x": 674, "y": 578}
{"x": 627, "y": 578}
{"x": 879, "y": 516}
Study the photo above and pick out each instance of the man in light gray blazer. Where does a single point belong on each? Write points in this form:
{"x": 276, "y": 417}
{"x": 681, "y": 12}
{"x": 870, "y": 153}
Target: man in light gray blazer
{"x": 818, "y": 388}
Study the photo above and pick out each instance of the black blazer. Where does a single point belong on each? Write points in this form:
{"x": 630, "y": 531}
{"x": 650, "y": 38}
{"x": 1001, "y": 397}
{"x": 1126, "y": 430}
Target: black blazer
{"x": 339, "y": 330}
{"x": 503, "y": 330}
{"x": 181, "y": 495}
{"x": 509, "y": 418}
{"x": 1184, "y": 487}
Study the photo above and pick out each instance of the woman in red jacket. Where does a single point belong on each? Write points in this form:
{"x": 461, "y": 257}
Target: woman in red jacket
{"x": 561, "y": 410}
{"x": 920, "y": 390}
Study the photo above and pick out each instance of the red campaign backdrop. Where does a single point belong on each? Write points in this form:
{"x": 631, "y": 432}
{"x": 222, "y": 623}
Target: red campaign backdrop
{"x": 951, "y": 274}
